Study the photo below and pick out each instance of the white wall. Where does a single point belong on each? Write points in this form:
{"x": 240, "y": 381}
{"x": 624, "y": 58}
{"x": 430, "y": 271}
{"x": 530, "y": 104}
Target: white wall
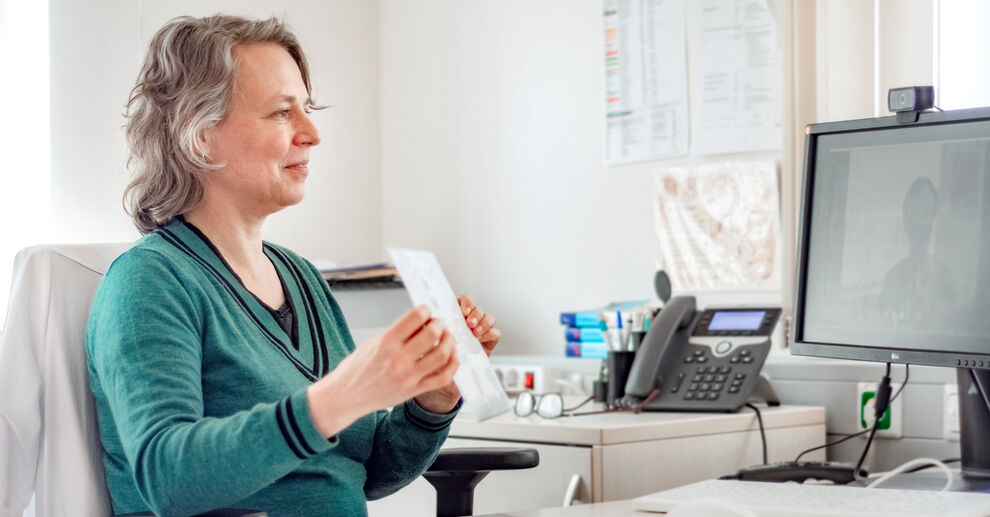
{"x": 492, "y": 158}
{"x": 470, "y": 128}
{"x": 96, "y": 50}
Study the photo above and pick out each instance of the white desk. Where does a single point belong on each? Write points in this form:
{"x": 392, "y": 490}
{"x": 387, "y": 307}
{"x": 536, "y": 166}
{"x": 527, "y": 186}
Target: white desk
{"x": 610, "y": 509}
{"x": 617, "y": 456}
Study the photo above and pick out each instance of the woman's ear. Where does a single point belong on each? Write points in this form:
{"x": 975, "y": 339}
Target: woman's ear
{"x": 202, "y": 143}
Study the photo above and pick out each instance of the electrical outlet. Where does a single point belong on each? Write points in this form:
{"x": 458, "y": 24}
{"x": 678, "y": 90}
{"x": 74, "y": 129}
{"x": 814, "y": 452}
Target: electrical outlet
{"x": 950, "y": 412}
{"x": 516, "y": 378}
{"x": 891, "y": 423}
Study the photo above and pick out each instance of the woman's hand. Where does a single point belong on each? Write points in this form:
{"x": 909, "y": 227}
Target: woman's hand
{"x": 414, "y": 356}
{"x": 480, "y": 323}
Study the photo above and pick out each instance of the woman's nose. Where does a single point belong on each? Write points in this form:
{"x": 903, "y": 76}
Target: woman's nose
{"x": 306, "y": 132}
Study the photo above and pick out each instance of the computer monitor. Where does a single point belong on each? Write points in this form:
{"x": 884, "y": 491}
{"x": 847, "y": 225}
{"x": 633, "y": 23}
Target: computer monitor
{"x": 893, "y": 261}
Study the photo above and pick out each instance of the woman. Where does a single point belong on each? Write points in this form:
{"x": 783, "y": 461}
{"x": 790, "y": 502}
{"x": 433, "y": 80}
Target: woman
{"x": 224, "y": 373}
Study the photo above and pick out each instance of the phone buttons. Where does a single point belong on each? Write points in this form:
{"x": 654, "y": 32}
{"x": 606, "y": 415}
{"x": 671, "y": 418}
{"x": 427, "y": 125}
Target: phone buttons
{"x": 723, "y": 347}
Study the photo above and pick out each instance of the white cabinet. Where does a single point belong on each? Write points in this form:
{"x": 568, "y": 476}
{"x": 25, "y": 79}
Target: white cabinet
{"x": 617, "y": 455}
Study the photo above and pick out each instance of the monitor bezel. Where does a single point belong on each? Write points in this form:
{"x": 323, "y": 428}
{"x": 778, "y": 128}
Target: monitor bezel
{"x": 874, "y": 353}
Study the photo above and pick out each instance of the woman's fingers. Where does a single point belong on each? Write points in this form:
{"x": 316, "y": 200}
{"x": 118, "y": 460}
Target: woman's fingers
{"x": 437, "y": 357}
{"x": 408, "y": 324}
{"x": 425, "y": 339}
{"x": 490, "y": 339}
{"x": 486, "y": 323}
{"x": 441, "y": 377}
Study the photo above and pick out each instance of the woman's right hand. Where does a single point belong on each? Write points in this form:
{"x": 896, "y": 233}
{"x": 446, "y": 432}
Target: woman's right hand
{"x": 415, "y": 355}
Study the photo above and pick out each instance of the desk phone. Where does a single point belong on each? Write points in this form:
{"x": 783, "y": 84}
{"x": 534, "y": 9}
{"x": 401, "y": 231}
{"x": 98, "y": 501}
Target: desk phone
{"x": 706, "y": 360}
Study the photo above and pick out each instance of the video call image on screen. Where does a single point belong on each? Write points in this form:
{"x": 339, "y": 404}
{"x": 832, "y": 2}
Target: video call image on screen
{"x": 899, "y": 239}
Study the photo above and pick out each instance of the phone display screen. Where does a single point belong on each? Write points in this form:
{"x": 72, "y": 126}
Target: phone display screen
{"x": 737, "y": 320}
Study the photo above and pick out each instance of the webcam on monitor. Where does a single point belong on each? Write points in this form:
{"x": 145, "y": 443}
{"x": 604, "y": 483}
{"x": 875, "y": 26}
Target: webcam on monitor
{"x": 909, "y": 101}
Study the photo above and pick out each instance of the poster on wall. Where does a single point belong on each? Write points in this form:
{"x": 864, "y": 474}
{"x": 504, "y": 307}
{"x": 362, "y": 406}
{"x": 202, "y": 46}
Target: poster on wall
{"x": 646, "y": 108}
{"x": 719, "y": 226}
{"x": 736, "y": 74}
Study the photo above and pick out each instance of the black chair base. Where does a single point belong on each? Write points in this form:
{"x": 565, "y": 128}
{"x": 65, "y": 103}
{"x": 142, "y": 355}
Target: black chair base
{"x": 456, "y": 472}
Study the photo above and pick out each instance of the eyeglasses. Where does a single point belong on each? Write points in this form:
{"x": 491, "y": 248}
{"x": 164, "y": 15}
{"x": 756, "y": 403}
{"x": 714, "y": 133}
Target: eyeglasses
{"x": 551, "y": 405}
{"x": 546, "y": 405}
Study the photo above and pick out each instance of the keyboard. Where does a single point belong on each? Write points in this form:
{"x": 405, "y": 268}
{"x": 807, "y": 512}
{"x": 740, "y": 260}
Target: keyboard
{"x": 722, "y": 497}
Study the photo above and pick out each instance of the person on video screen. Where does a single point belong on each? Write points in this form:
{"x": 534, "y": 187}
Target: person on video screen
{"x": 917, "y": 293}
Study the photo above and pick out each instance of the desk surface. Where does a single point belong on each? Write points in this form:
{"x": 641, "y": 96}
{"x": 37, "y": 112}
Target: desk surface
{"x": 609, "y": 509}
{"x": 616, "y": 428}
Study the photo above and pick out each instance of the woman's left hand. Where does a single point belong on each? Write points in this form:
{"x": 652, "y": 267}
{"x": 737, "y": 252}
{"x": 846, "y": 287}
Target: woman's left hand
{"x": 482, "y": 325}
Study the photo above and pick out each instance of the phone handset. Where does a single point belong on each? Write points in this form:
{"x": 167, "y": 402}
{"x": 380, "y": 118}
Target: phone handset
{"x": 645, "y": 373}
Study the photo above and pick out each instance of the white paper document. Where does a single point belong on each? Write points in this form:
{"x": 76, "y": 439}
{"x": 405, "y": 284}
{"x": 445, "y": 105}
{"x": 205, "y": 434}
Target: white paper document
{"x": 737, "y": 74}
{"x": 719, "y": 225}
{"x": 427, "y": 285}
{"x": 646, "y": 109}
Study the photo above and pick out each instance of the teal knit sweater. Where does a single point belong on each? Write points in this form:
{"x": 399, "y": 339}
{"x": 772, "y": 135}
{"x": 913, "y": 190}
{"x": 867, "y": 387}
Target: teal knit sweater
{"x": 201, "y": 395}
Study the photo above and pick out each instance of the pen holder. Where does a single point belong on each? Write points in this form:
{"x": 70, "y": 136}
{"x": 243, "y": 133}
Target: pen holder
{"x": 619, "y": 364}
{"x": 600, "y": 388}
{"x": 637, "y": 338}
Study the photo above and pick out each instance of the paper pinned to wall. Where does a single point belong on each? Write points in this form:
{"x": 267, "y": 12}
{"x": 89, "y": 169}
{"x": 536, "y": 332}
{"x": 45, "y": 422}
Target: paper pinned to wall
{"x": 475, "y": 377}
{"x": 719, "y": 225}
{"x": 646, "y": 109}
{"x": 738, "y": 77}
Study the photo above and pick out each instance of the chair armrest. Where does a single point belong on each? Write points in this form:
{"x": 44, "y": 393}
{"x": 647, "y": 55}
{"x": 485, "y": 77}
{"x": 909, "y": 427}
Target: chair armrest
{"x": 480, "y": 459}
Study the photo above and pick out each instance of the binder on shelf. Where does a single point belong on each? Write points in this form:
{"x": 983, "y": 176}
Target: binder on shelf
{"x": 584, "y": 334}
{"x": 589, "y": 318}
{"x": 586, "y": 349}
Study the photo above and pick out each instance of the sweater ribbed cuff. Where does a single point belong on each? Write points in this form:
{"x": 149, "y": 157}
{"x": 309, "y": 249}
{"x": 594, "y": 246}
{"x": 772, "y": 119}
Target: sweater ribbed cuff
{"x": 297, "y": 427}
{"x": 428, "y": 420}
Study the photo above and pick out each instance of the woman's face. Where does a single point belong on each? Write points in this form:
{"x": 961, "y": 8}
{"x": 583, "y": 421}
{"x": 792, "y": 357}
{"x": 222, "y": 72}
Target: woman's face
{"x": 264, "y": 142}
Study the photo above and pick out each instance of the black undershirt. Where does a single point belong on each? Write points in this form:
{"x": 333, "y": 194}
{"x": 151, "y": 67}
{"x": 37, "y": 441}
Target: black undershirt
{"x": 283, "y": 316}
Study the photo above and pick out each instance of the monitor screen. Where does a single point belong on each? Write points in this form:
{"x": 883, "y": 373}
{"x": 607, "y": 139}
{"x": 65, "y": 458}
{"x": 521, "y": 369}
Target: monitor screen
{"x": 894, "y": 256}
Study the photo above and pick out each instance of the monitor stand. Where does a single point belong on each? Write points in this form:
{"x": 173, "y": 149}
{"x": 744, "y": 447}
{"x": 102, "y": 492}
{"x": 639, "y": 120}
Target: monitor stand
{"x": 974, "y": 427}
{"x": 974, "y": 422}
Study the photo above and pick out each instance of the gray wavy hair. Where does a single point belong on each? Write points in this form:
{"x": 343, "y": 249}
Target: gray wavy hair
{"x": 184, "y": 87}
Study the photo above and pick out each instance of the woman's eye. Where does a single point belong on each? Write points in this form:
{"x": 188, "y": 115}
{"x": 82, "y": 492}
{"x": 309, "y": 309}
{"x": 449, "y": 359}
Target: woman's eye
{"x": 282, "y": 113}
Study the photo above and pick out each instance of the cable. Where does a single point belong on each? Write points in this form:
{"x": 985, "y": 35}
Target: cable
{"x": 837, "y": 442}
{"x": 923, "y": 462}
{"x": 848, "y": 437}
{"x": 925, "y": 466}
{"x": 882, "y": 401}
{"x": 636, "y": 408}
{"x": 857, "y": 471}
{"x": 763, "y": 433}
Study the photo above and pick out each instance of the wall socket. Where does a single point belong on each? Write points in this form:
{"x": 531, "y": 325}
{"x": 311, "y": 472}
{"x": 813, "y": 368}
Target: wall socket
{"x": 517, "y": 378}
{"x": 950, "y": 412}
{"x": 892, "y": 422}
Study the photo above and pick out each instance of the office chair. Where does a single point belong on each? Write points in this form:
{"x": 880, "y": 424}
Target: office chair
{"x": 49, "y": 437}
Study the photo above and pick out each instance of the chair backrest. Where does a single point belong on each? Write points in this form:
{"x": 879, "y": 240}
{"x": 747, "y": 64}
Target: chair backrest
{"x": 49, "y": 438}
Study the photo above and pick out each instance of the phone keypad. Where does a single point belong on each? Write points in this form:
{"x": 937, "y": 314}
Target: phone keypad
{"x": 698, "y": 356}
{"x": 706, "y": 384}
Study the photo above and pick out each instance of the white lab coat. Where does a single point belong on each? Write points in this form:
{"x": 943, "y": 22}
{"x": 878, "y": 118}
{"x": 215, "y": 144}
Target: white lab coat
{"x": 49, "y": 439}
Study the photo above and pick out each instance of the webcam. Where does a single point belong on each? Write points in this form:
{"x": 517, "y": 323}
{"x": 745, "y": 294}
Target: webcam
{"x": 908, "y": 102}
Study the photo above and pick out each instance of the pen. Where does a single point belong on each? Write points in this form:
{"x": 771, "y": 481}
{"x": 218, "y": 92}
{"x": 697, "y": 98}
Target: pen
{"x": 621, "y": 345}
{"x": 606, "y": 336}
{"x": 611, "y": 325}
{"x": 627, "y": 341}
